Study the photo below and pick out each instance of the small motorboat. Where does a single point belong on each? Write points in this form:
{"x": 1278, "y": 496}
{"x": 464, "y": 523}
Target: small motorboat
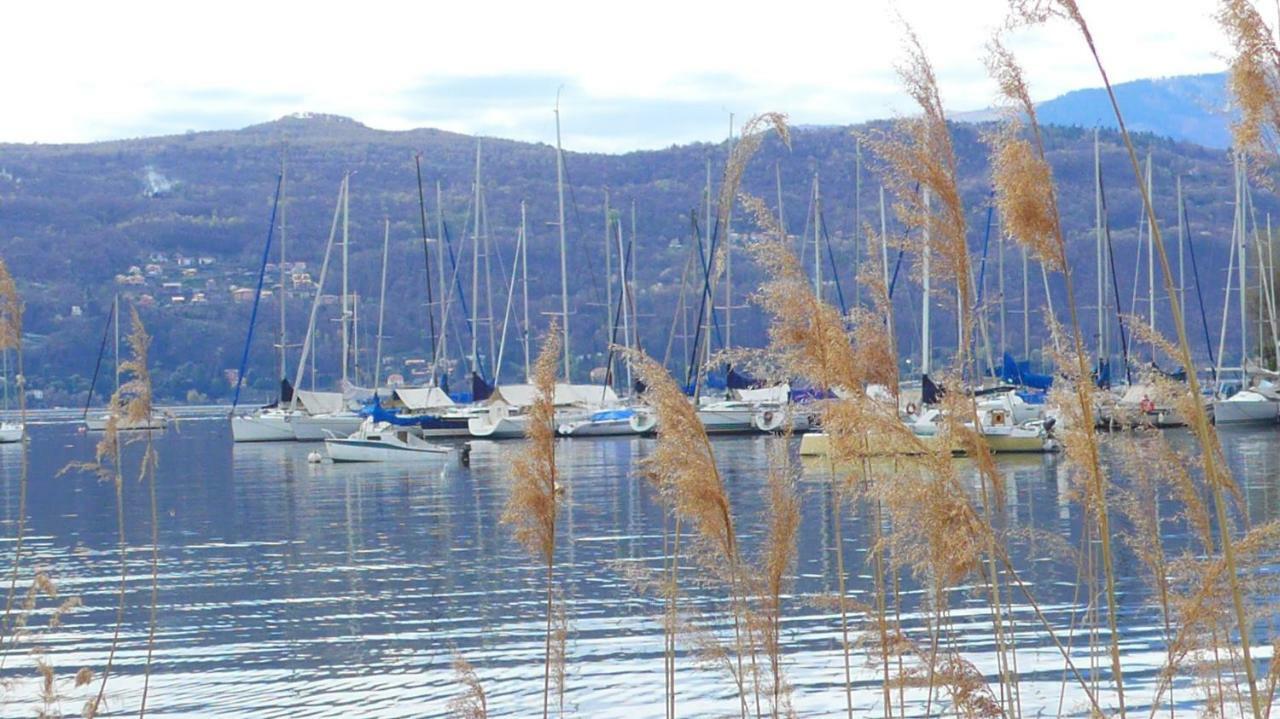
{"x": 618, "y": 422}
{"x": 11, "y": 432}
{"x": 382, "y": 442}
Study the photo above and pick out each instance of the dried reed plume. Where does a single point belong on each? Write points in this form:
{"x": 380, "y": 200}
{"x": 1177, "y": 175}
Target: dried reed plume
{"x": 535, "y": 494}
{"x": 470, "y": 703}
{"x": 777, "y": 561}
{"x": 683, "y": 467}
{"x": 1027, "y": 198}
{"x": 1254, "y": 79}
{"x": 1217, "y": 475}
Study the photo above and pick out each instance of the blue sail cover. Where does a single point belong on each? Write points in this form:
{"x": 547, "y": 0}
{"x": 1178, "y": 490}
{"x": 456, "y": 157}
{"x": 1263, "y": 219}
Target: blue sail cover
{"x": 1020, "y": 373}
{"x": 738, "y": 380}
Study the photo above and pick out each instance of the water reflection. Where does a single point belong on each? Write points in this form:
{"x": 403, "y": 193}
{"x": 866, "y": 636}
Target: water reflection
{"x": 294, "y": 589}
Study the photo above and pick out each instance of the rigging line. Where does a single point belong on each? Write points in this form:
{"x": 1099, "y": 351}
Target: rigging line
{"x": 426, "y": 260}
{"x": 613, "y": 338}
{"x": 457, "y": 283}
{"x": 577, "y": 218}
{"x": 257, "y": 298}
{"x": 1115, "y": 283}
{"x": 835, "y": 273}
{"x": 1195, "y": 274}
{"x": 102, "y": 350}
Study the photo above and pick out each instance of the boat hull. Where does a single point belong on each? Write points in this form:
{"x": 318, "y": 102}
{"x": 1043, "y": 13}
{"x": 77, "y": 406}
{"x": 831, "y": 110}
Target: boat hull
{"x": 360, "y": 450}
{"x": 1261, "y": 411}
{"x": 10, "y": 432}
{"x": 261, "y": 428}
{"x": 99, "y": 423}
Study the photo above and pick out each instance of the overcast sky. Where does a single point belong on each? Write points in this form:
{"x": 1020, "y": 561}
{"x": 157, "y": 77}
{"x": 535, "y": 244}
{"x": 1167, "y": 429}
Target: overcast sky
{"x": 634, "y": 75}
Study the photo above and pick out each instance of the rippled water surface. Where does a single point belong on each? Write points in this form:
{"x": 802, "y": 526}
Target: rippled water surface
{"x": 289, "y": 589}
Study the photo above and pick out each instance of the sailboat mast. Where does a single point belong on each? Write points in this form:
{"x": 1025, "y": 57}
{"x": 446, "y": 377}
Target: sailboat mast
{"x": 307, "y": 353}
{"x": 626, "y": 318}
{"x": 608, "y": 271}
{"x": 116, "y": 311}
{"x": 284, "y": 205}
{"x": 382, "y": 304}
{"x": 782, "y": 218}
{"x": 1026, "y": 308}
{"x": 1004, "y": 342}
{"x": 857, "y": 221}
{"x": 1243, "y": 264}
{"x": 884, "y": 258}
{"x": 728, "y": 258}
{"x": 926, "y": 351}
{"x": 346, "y": 311}
{"x": 475, "y": 268}
{"x": 1097, "y": 228}
{"x": 1151, "y": 265}
{"x": 524, "y": 285}
{"x": 441, "y": 353}
{"x": 564, "y": 272}
{"x": 1182, "y": 275}
{"x": 631, "y": 285}
{"x": 426, "y": 262}
{"x": 707, "y": 295}
{"x": 817, "y": 237}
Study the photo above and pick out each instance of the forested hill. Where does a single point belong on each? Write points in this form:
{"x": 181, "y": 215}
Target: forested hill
{"x": 176, "y": 224}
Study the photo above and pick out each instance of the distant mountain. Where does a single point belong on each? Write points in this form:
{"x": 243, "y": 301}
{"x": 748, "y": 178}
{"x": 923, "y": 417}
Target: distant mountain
{"x": 1191, "y": 108}
{"x": 1188, "y": 108}
{"x": 176, "y": 225}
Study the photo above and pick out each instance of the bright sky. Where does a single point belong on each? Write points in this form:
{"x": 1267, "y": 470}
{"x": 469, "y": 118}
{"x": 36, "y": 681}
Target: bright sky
{"x": 634, "y": 75}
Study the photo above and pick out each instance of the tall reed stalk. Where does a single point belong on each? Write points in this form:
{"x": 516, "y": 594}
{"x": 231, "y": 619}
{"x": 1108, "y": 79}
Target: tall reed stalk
{"x": 1217, "y": 475}
{"x": 533, "y": 505}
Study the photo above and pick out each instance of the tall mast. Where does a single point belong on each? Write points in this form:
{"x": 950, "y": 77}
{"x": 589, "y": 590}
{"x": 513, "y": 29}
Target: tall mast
{"x": 1026, "y": 308}
{"x": 475, "y": 268}
{"x": 1182, "y": 234}
{"x": 626, "y": 319}
{"x": 346, "y": 311}
{"x": 631, "y": 287}
{"x": 426, "y": 262}
{"x": 355, "y": 337}
{"x": 382, "y": 303}
{"x": 857, "y": 220}
{"x": 1098, "y": 239}
{"x": 116, "y": 312}
{"x": 284, "y": 204}
{"x": 1151, "y": 265}
{"x": 926, "y": 351}
{"x": 817, "y": 237}
{"x": 884, "y": 258}
{"x": 1004, "y": 343}
{"x": 708, "y": 295}
{"x": 486, "y": 241}
{"x": 441, "y": 354}
{"x": 1244, "y": 273}
{"x": 307, "y": 354}
{"x": 608, "y": 272}
{"x": 728, "y": 258}
{"x": 564, "y": 272}
{"x": 524, "y": 285}
{"x": 782, "y": 218}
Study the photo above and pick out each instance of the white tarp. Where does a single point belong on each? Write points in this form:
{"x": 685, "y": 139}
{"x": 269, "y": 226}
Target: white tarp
{"x": 319, "y": 402}
{"x": 777, "y": 394}
{"x": 420, "y": 398}
{"x": 524, "y": 395}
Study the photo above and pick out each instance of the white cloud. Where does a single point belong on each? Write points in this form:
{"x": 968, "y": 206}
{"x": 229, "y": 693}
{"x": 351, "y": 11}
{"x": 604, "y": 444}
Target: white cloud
{"x": 90, "y": 71}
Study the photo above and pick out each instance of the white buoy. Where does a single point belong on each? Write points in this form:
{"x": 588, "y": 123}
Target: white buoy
{"x": 315, "y": 458}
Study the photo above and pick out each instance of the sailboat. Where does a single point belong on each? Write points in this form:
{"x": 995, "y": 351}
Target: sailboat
{"x": 99, "y": 422}
{"x": 1258, "y": 400}
{"x": 10, "y": 431}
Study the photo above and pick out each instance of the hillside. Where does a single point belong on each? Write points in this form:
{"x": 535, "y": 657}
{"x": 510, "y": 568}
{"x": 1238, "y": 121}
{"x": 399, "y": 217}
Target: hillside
{"x": 74, "y": 220}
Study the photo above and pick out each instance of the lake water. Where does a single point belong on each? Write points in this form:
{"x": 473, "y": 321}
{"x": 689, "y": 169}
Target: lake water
{"x": 289, "y": 589}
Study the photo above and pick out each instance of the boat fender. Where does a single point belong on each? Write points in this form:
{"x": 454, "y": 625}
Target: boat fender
{"x": 464, "y": 456}
{"x": 315, "y": 458}
{"x": 1049, "y": 424}
{"x": 911, "y": 408}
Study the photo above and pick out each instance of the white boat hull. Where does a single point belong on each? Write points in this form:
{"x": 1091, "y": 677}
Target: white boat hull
{"x": 99, "y": 423}
{"x": 487, "y": 427}
{"x": 360, "y": 450}
{"x": 10, "y": 432}
{"x": 727, "y": 421}
{"x": 1246, "y": 411}
{"x": 261, "y": 427}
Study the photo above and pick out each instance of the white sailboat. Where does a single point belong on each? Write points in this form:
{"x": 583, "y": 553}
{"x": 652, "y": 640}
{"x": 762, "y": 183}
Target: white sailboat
{"x": 10, "y": 431}
{"x": 98, "y": 422}
{"x": 1258, "y": 400}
